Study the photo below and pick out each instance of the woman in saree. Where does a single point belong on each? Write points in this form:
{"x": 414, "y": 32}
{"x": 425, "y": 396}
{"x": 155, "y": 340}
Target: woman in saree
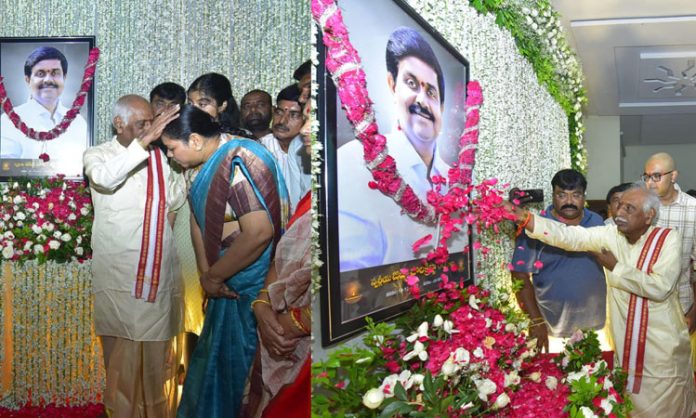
{"x": 281, "y": 377}
{"x": 239, "y": 204}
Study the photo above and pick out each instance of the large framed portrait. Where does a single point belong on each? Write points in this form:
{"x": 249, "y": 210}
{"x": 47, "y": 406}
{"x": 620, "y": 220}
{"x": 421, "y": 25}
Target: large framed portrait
{"x": 42, "y": 78}
{"x": 417, "y": 82}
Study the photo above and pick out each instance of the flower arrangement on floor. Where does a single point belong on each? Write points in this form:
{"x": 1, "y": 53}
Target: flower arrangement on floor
{"x": 45, "y": 219}
{"x": 458, "y": 353}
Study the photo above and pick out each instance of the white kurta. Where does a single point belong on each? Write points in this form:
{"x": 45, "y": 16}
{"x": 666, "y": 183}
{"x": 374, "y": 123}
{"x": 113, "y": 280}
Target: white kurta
{"x": 668, "y": 382}
{"x": 118, "y": 181}
{"x": 292, "y": 164}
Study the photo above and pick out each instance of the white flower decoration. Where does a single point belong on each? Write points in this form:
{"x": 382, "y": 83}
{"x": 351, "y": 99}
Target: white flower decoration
{"x": 373, "y": 398}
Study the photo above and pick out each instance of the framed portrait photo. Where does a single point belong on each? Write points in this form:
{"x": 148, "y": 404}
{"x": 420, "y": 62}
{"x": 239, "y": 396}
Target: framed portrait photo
{"x": 42, "y": 78}
{"x": 417, "y": 82}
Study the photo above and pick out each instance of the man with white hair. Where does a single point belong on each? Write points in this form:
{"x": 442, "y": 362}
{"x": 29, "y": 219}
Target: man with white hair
{"x": 138, "y": 296}
{"x": 649, "y": 332}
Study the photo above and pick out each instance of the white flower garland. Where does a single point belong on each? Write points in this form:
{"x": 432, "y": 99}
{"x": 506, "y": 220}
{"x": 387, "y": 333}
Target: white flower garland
{"x": 519, "y": 144}
{"x": 56, "y": 357}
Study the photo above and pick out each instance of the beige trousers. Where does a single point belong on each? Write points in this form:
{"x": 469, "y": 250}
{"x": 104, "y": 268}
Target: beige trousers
{"x": 140, "y": 378}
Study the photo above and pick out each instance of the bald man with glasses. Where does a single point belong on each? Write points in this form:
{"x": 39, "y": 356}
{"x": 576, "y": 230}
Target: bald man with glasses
{"x": 678, "y": 211}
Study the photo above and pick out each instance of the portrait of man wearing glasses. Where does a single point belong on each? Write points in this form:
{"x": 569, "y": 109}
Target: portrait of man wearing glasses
{"x": 678, "y": 211}
{"x": 285, "y": 144}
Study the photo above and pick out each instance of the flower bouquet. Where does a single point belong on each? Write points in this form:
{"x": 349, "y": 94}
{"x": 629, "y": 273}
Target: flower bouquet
{"x": 45, "y": 219}
{"x": 459, "y": 353}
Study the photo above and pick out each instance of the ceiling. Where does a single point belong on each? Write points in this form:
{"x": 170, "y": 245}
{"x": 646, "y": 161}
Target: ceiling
{"x": 639, "y": 61}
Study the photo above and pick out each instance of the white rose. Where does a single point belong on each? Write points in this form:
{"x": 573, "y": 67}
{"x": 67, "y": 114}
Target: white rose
{"x": 448, "y": 326}
{"x": 461, "y": 355}
{"x": 48, "y": 226}
{"x": 8, "y": 252}
{"x": 478, "y": 352}
{"x": 551, "y": 383}
{"x": 448, "y": 367}
{"x": 79, "y": 251}
{"x": 79, "y": 241}
{"x": 65, "y": 237}
{"x": 17, "y": 200}
{"x": 587, "y": 412}
{"x": 510, "y": 328}
{"x": 437, "y": 321}
{"x": 405, "y": 379}
{"x": 473, "y": 302}
{"x": 36, "y": 229}
{"x": 512, "y": 378}
{"x": 53, "y": 244}
{"x": 606, "y": 405}
{"x": 417, "y": 379}
{"x": 38, "y": 249}
{"x": 387, "y": 386}
{"x": 57, "y": 234}
{"x": 484, "y": 387}
{"x": 501, "y": 401}
{"x": 9, "y": 235}
{"x": 20, "y": 216}
{"x": 20, "y": 224}
{"x": 28, "y": 245}
{"x": 535, "y": 377}
{"x": 423, "y": 329}
{"x": 84, "y": 211}
{"x": 6, "y": 217}
{"x": 373, "y": 398}
{"x": 72, "y": 217}
{"x": 41, "y": 238}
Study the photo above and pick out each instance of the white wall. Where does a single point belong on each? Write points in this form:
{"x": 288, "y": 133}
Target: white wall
{"x": 684, "y": 156}
{"x": 603, "y": 142}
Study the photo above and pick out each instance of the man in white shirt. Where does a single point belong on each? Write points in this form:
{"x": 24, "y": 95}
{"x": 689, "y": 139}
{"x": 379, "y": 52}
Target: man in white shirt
{"x": 373, "y": 231}
{"x": 136, "y": 279}
{"x": 45, "y": 71}
{"x": 285, "y": 144}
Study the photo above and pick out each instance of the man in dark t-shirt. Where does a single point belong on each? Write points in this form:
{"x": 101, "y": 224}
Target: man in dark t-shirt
{"x": 561, "y": 291}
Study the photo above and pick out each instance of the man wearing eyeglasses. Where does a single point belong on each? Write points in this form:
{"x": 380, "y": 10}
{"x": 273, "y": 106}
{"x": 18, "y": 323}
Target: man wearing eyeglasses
{"x": 678, "y": 211}
{"x": 561, "y": 291}
{"x": 285, "y": 144}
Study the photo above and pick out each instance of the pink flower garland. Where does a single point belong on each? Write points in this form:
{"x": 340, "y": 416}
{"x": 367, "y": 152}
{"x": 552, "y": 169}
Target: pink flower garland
{"x": 59, "y": 129}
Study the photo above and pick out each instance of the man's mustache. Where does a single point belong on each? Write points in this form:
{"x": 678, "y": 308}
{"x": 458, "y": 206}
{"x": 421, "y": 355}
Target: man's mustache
{"x": 620, "y": 219}
{"x": 417, "y": 109}
{"x": 569, "y": 206}
{"x": 280, "y": 126}
{"x": 48, "y": 84}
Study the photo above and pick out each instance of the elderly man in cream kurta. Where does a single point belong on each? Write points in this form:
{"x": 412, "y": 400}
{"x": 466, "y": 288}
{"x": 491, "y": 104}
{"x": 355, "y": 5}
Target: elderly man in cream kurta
{"x": 662, "y": 384}
{"x": 138, "y": 296}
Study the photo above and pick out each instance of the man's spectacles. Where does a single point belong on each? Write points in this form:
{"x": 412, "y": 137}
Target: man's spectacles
{"x": 292, "y": 114}
{"x": 656, "y": 177}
